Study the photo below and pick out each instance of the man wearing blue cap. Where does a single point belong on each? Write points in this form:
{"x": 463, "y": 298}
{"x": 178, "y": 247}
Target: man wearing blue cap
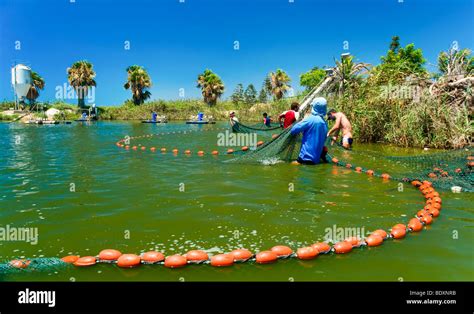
{"x": 314, "y": 130}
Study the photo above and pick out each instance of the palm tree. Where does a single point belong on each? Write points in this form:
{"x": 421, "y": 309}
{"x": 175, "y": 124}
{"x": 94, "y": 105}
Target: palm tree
{"x": 211, "y": 86}
{"x": 81, "y": 77}
{"x": 347, "y": 73}
{"x": 138, "y": 81}
{"x": 279, "y": 83}
{"x": 37, "y": 84}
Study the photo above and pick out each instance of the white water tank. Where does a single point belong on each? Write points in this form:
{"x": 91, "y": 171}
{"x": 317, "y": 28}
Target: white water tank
{"x": 21, "y": 80}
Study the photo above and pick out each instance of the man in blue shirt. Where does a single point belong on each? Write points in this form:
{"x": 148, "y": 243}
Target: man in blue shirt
{"x": 314, "y": 130}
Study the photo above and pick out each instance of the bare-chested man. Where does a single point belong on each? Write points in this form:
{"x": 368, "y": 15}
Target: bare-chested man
{"x": 341, "y": 123}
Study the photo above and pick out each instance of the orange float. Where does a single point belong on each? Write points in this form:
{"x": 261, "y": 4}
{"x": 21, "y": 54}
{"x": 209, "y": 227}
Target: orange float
{"x": 175, "y": 151}
{"x": 152, "y": 257}
{"x": 433, "y": 212}
{"x": 134, "y": 147}
{"x": 143, "y": 148}
{"x": 335, "y": 160}
{"x": 245, "y": 148}
{"x": 109, "y": 255}
{"x": 342, "y": 247}
{"x": 127, "y": 147}
{"x": 163, "y": 150}
{"x": 215, "y": 152}
{"x": 374, "y": 240}
{"x": 402, "y": 226}
{"x": 420, "y": 213}
{"x": 197, "y": 256}
{"x": 437, "y": 200}
{"x": 175, "y": 261}
{"x": 385, "y": 176}
{"x": 266, "y": 257}
{"x": 358, "y": 169}
{"x": 230, "y": 151}
{"x": 200, "y": 153}
{"x": 222, "y": 260}
{"x": 321, "y": 247}
{"x": 416, "y": 183}
{"x": 306, "y": 253}
{"x": 260, "y": 143}
{"x": 380, "y": 232}
{"x": 281, "y": 250}
{"x": 128, "y": 260}
{"x": 426, "y": 219}
{"x": 20, "y": 263}
{"x": 370, "y": 172}
{"x": 398, "y": 233}
{"x": 70, "y": 259}
{"x": 415, "y": 225}
{"x": 153, "y": 149}
{"x": 85, "y": 261}
{"x": 241, "y": 255}
{"x": 187, "y": 152}
{"x": 436, "y": 205}
{"x": 274, "y": 136}
{"x": 354, "y": 241}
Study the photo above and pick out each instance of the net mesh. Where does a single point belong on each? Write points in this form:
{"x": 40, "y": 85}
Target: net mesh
{"x": 258, "y": 127}
{"x": 444, "y": 169}
{"x": 34, "y": 265}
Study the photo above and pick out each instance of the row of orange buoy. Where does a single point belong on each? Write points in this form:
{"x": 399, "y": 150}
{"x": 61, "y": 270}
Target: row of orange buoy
{"x": 431, "y": 209}
{"x": 175, "y": 151}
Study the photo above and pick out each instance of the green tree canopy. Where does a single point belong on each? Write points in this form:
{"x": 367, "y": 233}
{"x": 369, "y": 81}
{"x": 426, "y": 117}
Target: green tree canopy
{"x": 211, "y": 86}
{"x": 279, "y": 83}
{"x": 312, "y": 78}
{"x": 138, "y": 81}
{"x": 238, "y": 94}
{"x": 36, "y": 85}
{"x": 250, "y": 95}
{"x": 81, "y": 76}
{"x": 399, "y": 63}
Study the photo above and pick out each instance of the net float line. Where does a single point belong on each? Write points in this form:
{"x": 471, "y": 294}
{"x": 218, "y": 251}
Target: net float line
{"x": 423, "y": 217}
{"x": 139, "y": 147}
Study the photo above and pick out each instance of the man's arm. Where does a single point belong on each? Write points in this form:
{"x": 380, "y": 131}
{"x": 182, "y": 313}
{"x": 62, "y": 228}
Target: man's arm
{"x": 299, "y": 127}
{"x": 336, "y": 126}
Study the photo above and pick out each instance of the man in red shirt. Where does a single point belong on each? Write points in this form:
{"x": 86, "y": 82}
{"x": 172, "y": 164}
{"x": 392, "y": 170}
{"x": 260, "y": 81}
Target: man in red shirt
{"x": 290, "y": 116}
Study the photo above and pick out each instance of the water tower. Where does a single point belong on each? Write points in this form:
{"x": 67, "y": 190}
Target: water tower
{"x": 21, "y": 81}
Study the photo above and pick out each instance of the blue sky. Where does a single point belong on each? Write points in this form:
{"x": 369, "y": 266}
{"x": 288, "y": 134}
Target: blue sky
{"x": 176, "y": 41}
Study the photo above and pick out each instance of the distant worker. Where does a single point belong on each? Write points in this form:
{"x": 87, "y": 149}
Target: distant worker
{"x": 266, "y": 119}
{"x": 289, "y": 116}
{"x": 341, "y": 123}
{"x": 84, "y": 116}
{"x": 233, "y": 119}
{"x": 314, "y": 130}
{"x": 200, "y": 116}
{"x": 153, "y": 116}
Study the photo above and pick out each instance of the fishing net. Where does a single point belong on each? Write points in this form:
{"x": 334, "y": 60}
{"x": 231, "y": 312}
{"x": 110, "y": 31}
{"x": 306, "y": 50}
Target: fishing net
{"x": 35, "y": 264}
{"x": 258, "y": 127}
{"x": 444, "y": 169}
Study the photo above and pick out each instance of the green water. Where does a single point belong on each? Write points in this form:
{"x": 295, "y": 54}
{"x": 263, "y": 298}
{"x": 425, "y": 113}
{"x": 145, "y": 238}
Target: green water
{"x": 131, "y": 201}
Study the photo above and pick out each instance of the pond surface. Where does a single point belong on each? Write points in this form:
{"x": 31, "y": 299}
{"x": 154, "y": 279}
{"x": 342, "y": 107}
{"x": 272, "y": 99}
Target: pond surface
{"x": 84, "y": 194}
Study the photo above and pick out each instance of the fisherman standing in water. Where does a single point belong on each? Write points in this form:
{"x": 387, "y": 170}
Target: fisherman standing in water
{"x": 232, "y": 118}
{"x": 341, "y": 123}
{"x": 314, "y": 130}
